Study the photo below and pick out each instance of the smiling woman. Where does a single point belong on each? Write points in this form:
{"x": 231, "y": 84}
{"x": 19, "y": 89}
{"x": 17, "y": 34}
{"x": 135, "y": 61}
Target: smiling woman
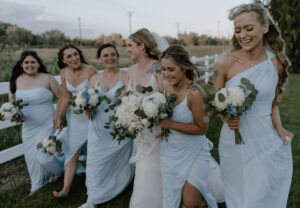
{"x": 75, "y": 75}
{"x": 257, "y": 173}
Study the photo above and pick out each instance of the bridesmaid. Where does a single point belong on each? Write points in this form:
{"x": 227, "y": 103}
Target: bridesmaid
{"x": 108, "y": 171}
{"x": 258, "y": 173}
{"x": 31, "y": 82}
{"x": 75, "y": 75}
{"x": 185, "y": 157}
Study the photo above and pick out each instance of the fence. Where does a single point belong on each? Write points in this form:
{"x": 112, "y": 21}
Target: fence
{"x": 16, "y": 151}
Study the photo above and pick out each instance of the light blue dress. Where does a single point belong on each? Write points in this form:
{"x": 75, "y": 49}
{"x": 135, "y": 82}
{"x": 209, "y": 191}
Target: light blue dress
{"x": 257, "y": 173}
{"x": 37, "y": 125}
{"x": 77, "y": 123}
{"x": 108, "y": 171}
{"x": 184, "y": 157}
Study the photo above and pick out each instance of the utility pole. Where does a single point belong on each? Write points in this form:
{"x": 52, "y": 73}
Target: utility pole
{"x": 79, "y": 31}
{"x": 219, "y": 35}
{"x": 129, "y": 15}
{"x": 177, "y": 28}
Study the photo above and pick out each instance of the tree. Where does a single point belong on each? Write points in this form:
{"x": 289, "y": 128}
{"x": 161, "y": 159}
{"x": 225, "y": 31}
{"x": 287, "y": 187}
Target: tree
{"x": 54, "y": 38}
{"x": 287, "y": 15}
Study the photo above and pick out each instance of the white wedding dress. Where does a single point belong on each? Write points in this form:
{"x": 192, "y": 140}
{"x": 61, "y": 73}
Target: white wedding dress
{"x": 147, "y": 188}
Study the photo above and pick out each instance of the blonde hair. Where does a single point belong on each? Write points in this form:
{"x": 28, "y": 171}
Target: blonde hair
{"x": 272, "y": 40}
{"x": 143, "y": 36}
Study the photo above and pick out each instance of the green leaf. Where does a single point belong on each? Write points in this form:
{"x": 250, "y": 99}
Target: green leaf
{"x": 221, "y": 97}
{"x": 205, "y": 119}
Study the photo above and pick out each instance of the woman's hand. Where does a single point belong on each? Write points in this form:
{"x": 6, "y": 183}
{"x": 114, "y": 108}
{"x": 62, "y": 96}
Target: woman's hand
{"x": 89, "y": 113}
{"x": 234, "y": 122}
{"x": 58, "y": 123}
{"x": 165, "y": 123}
{"x": 283, "y": 133}
{"x": 20, "y": 117}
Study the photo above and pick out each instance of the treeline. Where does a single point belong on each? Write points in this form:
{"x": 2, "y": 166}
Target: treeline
{"x": 12, "y": 35}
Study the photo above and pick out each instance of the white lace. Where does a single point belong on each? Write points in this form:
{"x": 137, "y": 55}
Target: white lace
{"x": 162, "y": 44}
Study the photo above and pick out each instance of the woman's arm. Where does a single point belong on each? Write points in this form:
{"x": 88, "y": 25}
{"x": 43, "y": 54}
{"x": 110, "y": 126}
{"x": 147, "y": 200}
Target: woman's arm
{"x": 282, "y": 132}
{"x": 54, "y": 87}
{"x": 195, "y": 100}
{"x": 63, "y": 103}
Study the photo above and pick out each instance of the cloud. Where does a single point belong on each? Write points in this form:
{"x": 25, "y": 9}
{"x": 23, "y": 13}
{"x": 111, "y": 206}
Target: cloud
{"x": 35, "y": 18}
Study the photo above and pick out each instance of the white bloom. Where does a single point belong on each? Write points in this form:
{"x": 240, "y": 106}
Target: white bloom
{"x": 46, "y": 142}
{"x": 163, "y": 115}
{"x": 124, "y": 99}
{"x": 80, "y": 101}
{"x": 91, "y": 91}
{"x": 8, "y": 110}
{"x": 236, "y": 96}
{"x": 51, "y": 147}
{"x": 94, "y": 100}
{"x": 150, "y": 109}
{"x": 145, "y": 122}
{"x": 221, "y": 105}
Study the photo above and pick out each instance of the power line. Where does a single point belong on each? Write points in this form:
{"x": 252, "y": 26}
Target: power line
{"x": 79, "y": 30}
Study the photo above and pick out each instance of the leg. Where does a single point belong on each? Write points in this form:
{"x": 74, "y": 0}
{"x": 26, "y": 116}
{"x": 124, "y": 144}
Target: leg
{"x": 70, "y": 169}
{"x": 191, "y": 197}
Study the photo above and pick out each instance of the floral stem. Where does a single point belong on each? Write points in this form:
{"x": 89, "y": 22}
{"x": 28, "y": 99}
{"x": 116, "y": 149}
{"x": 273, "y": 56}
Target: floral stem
{"x": 238, "y": 137}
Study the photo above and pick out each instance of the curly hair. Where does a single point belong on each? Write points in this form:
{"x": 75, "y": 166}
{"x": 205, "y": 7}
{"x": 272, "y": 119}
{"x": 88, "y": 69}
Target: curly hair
{"x": 60, "y": 55}
{"x": 272, "y": 40}
{"x": 181, "y": 57}
{"x": 143, "y": 36}
{"x": 18, "y": 70}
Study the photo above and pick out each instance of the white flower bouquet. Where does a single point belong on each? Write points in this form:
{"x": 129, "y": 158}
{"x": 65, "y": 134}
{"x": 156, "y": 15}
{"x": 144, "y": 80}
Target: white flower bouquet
{"x": 155, "y": 107}
{"x": 12, "y": 111}
{"x": 51, "y": 144}
{"x": 230, "y": 102}
{"x": 87, "y": 100}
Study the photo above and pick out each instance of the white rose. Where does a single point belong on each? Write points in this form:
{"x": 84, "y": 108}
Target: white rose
{"x": 46, "y": 142}
{"x": 163, "y": 115}
{"x": 221, "y": 105}
{"x": 124, "y": 99}
{"x": 94, "y": 100}
{"x": 91, "y": 91}
{"x": 145, "y": 122}
{"x": 51, "y": 147}
{"x": 236, "y": 96}
{"x": 80, "y": 101}
{"x": 150, "y": 109}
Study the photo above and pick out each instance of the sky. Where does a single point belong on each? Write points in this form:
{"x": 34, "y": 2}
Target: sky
{"x": 96, "y": 17}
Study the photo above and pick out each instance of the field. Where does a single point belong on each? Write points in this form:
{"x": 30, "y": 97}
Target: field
{"x": 15, "y": 194}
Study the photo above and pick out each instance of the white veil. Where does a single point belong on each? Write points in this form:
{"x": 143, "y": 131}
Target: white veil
{"x": 162, "y": 44}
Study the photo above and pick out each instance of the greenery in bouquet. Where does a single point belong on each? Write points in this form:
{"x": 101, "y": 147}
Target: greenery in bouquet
{"x": 12, "y": 111}
{"x": 229, "y": 102}
{"x": 87, "y": 100}
{"x": 51, "y": 145}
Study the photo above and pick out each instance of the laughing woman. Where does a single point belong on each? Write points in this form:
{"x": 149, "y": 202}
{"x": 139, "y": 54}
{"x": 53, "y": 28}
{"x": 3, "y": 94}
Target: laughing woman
{"x": 75, "y": 75}
{"x": 31, "y": 82}
{"x": 108, "y": 171}
{"x": 185, "y": 157}
{"x": 257, "y": 173}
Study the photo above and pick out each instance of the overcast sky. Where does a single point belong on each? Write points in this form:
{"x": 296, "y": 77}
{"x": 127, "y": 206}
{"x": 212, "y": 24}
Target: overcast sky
{"x": 97, "y": 17}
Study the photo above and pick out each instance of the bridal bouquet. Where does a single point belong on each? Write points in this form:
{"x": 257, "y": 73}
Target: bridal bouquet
{"x": 11, "y": 111}
{"x": 126, "y": 122}
{"x": 230, "y": 102}
{"x": 51, "y": 144}
{"x": 87, "y": 100}
{"x": 156, "y": 107}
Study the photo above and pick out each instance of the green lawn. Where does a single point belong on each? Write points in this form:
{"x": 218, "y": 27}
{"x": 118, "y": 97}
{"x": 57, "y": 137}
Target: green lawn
{"x": 17, "y": 194}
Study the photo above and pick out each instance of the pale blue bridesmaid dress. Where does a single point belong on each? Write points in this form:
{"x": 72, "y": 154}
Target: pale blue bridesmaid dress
{"x": 257, "y": 173}
{"x": 184, "y": 157}
{"x": 77, "y": 123}
{"x": 108, "y": 171}
{"x": 37, "y": 125}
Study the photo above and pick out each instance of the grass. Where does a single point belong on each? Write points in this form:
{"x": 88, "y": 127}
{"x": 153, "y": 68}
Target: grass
{"x": 49, "y": 57}
{"x": 16, "y": 195}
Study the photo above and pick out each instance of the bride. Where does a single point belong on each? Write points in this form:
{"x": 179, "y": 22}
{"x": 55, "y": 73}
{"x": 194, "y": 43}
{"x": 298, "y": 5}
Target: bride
{"x": 143, "y": 49}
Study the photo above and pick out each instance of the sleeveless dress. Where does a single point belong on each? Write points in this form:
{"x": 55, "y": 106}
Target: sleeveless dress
{"x": 184, "y": 157}
{"x": 257, "y": 173}
{"x": 108, "y": 171}
{"x": 147, "y": 188}
{"x": 77, "y": 129}
{"x": 37, "y": 125}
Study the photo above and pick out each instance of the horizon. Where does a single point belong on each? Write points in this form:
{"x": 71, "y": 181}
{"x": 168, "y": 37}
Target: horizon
{"x": 39, "y": 16}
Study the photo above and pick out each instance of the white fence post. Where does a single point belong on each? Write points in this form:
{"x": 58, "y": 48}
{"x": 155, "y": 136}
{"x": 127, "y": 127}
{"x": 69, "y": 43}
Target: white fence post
{"x": 206, "y": 63}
